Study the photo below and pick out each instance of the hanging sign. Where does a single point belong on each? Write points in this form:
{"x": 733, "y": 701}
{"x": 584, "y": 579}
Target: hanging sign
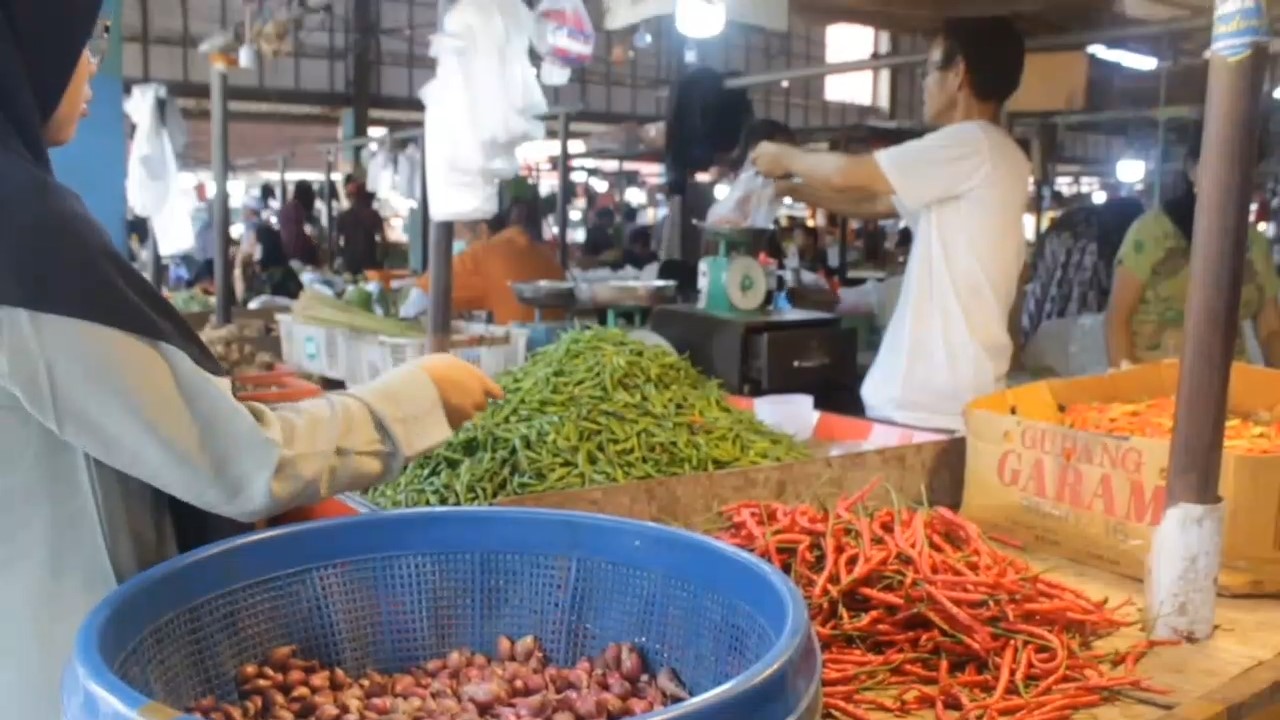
{"x": 767, "y": 14}
{"x": 1239, "y": 26}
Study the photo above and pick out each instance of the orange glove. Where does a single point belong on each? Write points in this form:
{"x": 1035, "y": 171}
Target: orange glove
{"x": 465, "y": 391}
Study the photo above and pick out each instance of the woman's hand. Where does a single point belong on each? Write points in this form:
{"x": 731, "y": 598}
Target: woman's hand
{"x": 464, "y": 390}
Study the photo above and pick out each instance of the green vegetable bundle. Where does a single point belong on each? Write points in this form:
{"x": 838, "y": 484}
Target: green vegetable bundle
{"x": 596, "y": 408}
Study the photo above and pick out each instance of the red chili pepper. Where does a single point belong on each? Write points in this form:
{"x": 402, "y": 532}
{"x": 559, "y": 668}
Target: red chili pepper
{"x": 918, "y": 610}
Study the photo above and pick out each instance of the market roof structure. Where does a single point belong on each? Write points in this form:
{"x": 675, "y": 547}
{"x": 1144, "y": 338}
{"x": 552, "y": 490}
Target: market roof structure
{"x": 1036, "y": 16}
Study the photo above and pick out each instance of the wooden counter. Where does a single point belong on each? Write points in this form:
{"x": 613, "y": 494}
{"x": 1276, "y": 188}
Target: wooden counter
{"x": 1235, "y": 671}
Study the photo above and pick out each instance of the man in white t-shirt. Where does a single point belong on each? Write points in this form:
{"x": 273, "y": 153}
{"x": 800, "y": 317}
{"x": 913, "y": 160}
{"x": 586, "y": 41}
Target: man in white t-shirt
{"x": 962, "y": 189}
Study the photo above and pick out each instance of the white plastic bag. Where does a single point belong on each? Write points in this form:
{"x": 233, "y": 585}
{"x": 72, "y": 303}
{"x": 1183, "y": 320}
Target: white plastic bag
{"x": 480, "y": 106}
{"x": 1069, "y": 347}
{"x": 751, "y": 203}
{"x": 152, "y": 169}
{"x": 416, "y": 305}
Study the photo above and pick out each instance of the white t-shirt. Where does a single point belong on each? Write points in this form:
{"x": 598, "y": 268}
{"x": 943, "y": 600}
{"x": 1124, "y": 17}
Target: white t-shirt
{"x": 962, "y": 190}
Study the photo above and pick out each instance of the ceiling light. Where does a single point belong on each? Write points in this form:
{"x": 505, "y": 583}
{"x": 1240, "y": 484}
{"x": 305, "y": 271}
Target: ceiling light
{"x": 700, "y": 19}
{"x": 1126, "y": 58}
{"x": 1131, "y": 170}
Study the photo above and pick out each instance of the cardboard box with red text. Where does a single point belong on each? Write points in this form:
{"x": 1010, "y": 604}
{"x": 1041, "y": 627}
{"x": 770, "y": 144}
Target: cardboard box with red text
{"x": 1098, "y": 498}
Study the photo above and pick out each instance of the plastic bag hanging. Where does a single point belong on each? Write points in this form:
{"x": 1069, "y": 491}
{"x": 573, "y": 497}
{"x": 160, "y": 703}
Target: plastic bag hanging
{"x": 751, "y": 203}
{"x": 152, "y": 163}
{"x": 565, "y": 38}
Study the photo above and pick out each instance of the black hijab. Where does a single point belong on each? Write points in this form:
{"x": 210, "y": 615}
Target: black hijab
{"x": 55, "y": 258}
{"x": 49, "y": 235}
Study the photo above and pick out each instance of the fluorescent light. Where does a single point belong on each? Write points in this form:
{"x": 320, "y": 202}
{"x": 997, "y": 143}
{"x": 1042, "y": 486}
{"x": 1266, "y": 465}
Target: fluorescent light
{"x": 1126, "y": 58}
{"x": 1098, "y": 197}
{"x": 579, "y": 176}
{"x": 599, "y": 185}
{"x": 700, "y": 19}
{"x": 575, "y": 215}
{"x": 1130, "y": 170}
{"x": 1276, "y": 93}
{"x": 721, "y": 191}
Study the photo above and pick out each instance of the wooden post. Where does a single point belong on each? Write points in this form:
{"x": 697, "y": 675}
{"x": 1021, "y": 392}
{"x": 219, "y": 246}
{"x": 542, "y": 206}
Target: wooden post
{"x": 1187, "y": 548}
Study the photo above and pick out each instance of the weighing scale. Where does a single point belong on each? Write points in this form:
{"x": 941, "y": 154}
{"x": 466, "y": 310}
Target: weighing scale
{"x": 734, "y": 333}
{"x": 620, "y": 303}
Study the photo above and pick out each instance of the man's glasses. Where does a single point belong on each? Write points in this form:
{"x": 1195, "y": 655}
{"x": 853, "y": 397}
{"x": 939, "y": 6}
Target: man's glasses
{"x": 100, "y": 42}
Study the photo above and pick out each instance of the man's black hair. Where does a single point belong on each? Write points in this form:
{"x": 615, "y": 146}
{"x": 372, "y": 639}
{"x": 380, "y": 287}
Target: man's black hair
{"x": 994, "y": 53}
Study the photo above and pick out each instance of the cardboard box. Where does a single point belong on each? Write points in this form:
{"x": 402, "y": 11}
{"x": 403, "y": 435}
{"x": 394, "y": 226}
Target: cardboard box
{"x": 1097, "y": 498}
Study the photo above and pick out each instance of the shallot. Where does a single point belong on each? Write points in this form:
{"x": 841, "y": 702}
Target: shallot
{"x": 516, "y": 683}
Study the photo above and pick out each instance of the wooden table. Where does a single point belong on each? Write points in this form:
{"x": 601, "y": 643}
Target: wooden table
{"x": 1235, "y": 675}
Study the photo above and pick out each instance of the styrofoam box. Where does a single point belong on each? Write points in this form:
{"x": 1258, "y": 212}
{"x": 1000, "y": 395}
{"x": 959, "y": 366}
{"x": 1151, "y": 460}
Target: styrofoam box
{"x": 373, "y": 355}
{"x": 315, "y": 349}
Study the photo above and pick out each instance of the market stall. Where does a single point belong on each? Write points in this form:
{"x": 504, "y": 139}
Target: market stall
{"x": 870, "y": 584}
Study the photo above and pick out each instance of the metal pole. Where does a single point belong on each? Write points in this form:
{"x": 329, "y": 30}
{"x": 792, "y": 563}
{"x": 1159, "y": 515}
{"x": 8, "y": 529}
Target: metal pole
{"x": 221, "y": 214}
{"x": 1157, "y": 183}
{"x": 1051, "y": 42}
{"x": 439, "y": 258}
{"x": 562, "y": 198}
{"x": 1186, "y": 553}
{"x": 329, "y": 229}
{"x": 155, "y": 265}
{"x": 284, "y": 188}
{"x": 842, "y": 248}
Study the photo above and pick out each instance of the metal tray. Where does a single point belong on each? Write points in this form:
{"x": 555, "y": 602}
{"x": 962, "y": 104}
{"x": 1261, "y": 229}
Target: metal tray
{"x": 631, "y": 293}
{"x": 545, "y": 293}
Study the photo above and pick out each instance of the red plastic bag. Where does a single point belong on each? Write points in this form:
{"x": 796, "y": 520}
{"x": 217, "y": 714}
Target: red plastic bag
{"x": 565, "y": 38}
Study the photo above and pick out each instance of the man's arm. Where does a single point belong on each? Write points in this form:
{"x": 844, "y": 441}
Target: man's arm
{"x": 826, "y": 171}
{"x": 856, "y": 206}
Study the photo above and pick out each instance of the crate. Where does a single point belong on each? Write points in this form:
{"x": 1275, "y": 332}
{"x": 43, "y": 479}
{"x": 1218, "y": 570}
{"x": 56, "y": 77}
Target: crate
{"x": 315, "y": 349}
{"x": 373, "y": 355}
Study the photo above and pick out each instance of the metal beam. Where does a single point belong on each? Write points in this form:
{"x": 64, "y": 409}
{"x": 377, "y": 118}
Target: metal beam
{"x": 1048, "y": 42}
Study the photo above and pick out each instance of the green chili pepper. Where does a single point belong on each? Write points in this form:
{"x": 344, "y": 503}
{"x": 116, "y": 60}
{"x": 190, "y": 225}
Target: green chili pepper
{"x": 596, "y": 408}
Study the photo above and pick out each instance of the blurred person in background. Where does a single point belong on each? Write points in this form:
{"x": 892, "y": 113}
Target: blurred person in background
{"x": 362, "y": 233}
{"x": 1071, "y": 268}
{"x": 1146, "y": 310}
{"x": 638, "y": 250}
{"x": 602, "y": 246}
{"x": 298, "y": 223}
{"x": 261, "y": 267}
{"x": 206, "y": 240}
{"x": 498, "y": 253}
{"x": 123, "y": 442}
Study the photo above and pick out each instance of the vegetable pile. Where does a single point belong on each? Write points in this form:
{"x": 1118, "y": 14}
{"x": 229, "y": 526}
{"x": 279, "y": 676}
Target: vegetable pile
{"x": 595, "y": 408}
{"x": 517, "y": 682}
{"x": 238, "y": 345}
{"x": 917, "y": 611}
{"x": 319, "y": 309}
{"x": 1257, "y": 435}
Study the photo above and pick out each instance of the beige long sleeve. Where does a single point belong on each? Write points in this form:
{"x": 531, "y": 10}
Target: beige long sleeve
{"x": 146, "y": 409}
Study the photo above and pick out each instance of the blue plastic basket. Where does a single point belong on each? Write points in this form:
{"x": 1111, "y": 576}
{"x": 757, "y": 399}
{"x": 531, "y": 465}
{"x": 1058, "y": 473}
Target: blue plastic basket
{"x": 389, "y": 590}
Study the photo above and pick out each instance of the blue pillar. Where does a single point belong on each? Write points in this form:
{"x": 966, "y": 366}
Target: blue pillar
{"x": 94, "y": 163}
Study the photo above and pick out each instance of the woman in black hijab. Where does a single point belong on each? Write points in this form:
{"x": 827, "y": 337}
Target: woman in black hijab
{"x": 121, "y": 436}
